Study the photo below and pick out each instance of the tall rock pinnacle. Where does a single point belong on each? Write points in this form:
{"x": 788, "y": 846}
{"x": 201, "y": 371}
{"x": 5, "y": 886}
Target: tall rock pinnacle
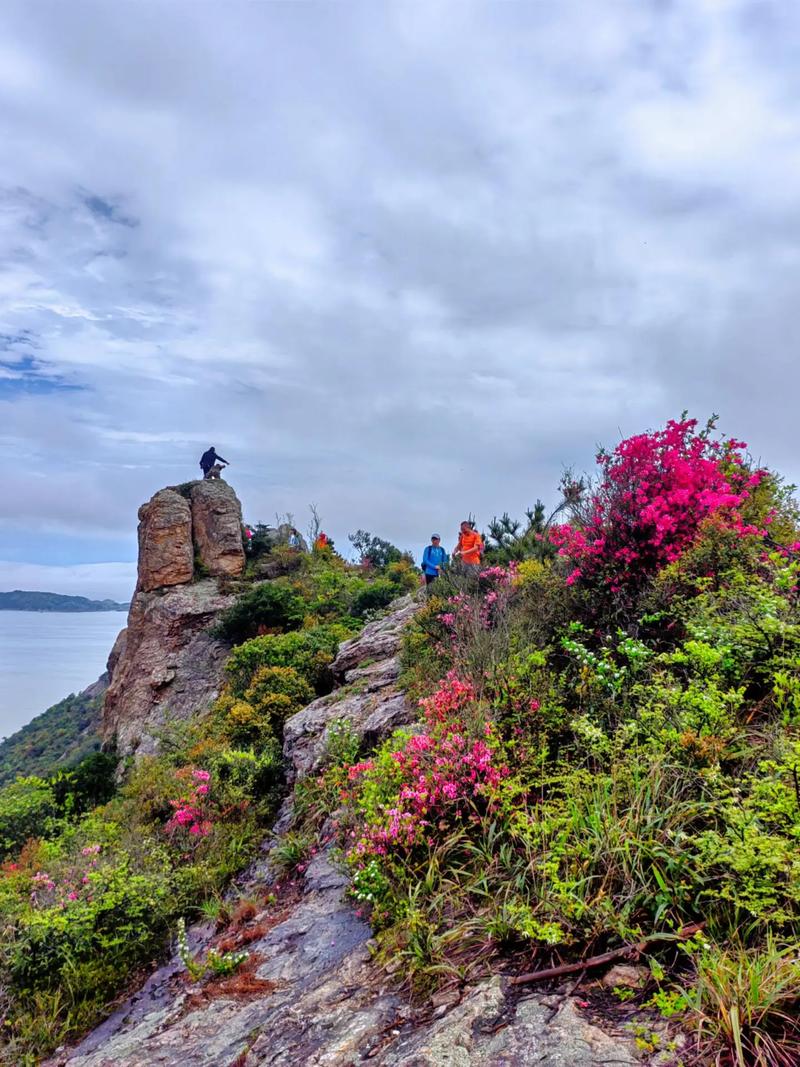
{"x": 166, "y": 663}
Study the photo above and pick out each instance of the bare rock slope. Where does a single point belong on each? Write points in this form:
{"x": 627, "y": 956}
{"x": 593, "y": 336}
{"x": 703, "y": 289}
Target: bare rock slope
{"x": 312, "y": 995}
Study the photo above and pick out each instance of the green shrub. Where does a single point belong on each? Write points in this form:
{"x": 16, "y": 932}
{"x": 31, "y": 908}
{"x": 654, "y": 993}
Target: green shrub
{"x": 309, "y": 652}
{"x": 376, "y": 595}
{"x": 90, "y": 783}
{"x": 270, "y": 605}
{"x": 28, "y": 808}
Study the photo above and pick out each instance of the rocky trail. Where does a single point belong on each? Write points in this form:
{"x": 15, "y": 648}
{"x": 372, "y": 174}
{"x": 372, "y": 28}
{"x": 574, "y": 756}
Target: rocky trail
{"x": 309, "y": 993}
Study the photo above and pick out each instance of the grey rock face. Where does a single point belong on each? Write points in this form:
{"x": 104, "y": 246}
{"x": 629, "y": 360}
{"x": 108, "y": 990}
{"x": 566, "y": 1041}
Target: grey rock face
{"x": 369, "y": 700}
{"x": 378, "y": 640}
{"x": 483, "y": 1031}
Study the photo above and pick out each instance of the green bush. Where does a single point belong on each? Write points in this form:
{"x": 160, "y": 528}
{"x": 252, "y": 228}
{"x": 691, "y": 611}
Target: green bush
{"x": 28, "y": 808}
{"x": 376, "y": 595}
{"x": 90, "y": 783}
{"x": 269, "y": 605}
{"x": 309, "y": 652}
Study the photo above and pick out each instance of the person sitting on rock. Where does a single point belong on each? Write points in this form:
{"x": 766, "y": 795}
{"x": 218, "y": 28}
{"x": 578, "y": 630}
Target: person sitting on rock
{"x": 209, "y": 460}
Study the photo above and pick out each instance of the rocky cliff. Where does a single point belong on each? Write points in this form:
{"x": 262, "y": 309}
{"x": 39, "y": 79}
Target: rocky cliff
{"x": 310, "y": 993}
{"x": 165, "y": 664}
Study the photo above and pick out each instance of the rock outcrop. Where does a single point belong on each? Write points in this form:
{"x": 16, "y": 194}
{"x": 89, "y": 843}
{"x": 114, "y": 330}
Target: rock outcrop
{"x": 368, "y": 698}
{"x": 165, "y": 664}
{"x": 217, "y": 528}
{"x": 166, "y": 554}
{"x": 312, "y": 995}
{"x": 169, "y": 667}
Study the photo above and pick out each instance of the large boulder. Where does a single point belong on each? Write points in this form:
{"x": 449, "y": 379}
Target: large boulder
{"x": 217, "y": 528}
{"x": 166, "y": 553}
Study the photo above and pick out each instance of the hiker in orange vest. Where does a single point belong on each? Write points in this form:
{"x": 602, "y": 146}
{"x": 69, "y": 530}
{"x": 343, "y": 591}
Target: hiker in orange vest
{"x": 321, "y": 541}
{"x": 469, "y": 548}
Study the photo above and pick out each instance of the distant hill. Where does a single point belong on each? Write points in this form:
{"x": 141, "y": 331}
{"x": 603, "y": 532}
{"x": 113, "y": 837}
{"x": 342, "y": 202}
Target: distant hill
{"x": 22, "y": 600}
{"x": 59, "y": 737}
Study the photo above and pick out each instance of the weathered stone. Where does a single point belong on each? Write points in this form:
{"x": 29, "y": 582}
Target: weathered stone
{"x": 483, "y": 1031}
{"x": 166, "y": 555}
{"x": 378, "y": 640}
{"x": 217, "y": 528}
{"x": 625, "y": 974}
{"x": 369, "y": 701}
{"x": 167, "y": 665}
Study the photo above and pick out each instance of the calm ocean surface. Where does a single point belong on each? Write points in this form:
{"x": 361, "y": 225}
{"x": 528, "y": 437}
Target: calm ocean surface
{"x": 45, "y": 656}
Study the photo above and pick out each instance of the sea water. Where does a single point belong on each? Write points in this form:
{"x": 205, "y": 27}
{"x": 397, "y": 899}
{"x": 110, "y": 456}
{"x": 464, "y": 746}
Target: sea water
{"x": 45, "y": 656}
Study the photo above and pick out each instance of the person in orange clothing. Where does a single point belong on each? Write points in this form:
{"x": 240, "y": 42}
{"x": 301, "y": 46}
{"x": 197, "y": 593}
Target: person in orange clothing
{"x": 470, "y": 546}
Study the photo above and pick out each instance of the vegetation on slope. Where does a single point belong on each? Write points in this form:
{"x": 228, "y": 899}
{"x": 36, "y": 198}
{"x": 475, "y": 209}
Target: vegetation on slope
{"x": 58, "y": 738}
{"x": 608, "y": 749}
{"x": 95, "y": 879}
{"x": 23, "y": 600}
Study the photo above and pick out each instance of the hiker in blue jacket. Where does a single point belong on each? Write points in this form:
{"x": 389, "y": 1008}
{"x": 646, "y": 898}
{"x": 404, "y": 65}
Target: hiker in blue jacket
{"x": 433, "y": 559}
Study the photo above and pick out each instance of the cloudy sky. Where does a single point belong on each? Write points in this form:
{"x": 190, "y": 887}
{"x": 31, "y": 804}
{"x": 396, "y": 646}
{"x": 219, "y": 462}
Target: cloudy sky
{"x": 404, "y": 261}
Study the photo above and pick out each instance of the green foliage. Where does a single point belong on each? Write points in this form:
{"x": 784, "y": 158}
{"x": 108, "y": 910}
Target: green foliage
{"x": 219, "y": 964}
{"x": 58, "y": 738}
{"x": 745, "y": 1001}
{"x": 378, "y": 594}
{"x": 89, "y": 784}
{"x": 268, "y": 606}
{"x": 510, "y": 539}
{"x": 309, "y": 652}
{"x": 373, "y": 550}
{"x": 28, "y": 808}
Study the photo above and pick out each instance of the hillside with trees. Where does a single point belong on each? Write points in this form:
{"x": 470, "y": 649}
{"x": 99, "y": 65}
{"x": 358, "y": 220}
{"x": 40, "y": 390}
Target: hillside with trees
{"x": 25, "y": 600}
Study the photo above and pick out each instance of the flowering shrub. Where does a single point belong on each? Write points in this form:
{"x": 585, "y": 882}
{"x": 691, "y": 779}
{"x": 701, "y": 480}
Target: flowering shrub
{"x": 432, "y": 776}
{"x": 191, "y": 813}
{"x": 656, "y": 491}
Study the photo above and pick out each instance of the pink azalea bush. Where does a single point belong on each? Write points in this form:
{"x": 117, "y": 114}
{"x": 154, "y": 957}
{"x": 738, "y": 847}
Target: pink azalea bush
{"x": 437, "y": 774}
{"x": 191, "y": 812}
{"x": 657, "y": 490}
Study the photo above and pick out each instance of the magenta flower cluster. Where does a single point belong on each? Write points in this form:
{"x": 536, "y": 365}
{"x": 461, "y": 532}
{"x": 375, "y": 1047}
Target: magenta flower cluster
{"x": 442, "y": 771}
{"x": 49, "y": 892}
{"x": 191, "y": 812}
{"x": 656, "y": 491}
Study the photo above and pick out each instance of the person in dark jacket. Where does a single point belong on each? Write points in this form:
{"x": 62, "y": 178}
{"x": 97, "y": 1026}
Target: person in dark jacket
{"x": 208, "y": 460}
{"x": 433, "y": 559}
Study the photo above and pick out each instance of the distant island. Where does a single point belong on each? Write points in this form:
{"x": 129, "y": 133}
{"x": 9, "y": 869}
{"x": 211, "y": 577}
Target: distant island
{"x": 22, "y": 600}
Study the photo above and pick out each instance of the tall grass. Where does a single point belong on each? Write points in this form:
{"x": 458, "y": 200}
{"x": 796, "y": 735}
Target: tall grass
{"x": 744, "y": 1006}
